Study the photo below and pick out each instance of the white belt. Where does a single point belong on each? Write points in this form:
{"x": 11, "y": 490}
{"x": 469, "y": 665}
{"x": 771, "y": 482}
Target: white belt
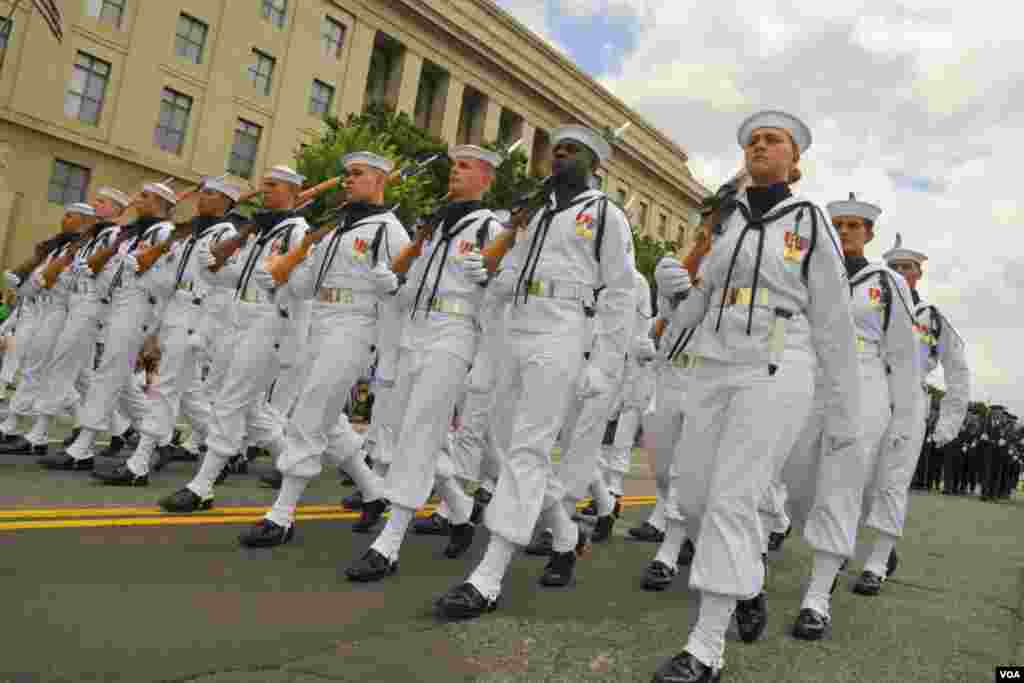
{"x": 685, "y": 361}
{"x": 559, "y": 289}
{"x": 344, "y": 296}
{"x": 450, "y": 306}
{"x": 186, "y": 286}
{"x": 868, "y": 346}
{"x": 254, "y": 295}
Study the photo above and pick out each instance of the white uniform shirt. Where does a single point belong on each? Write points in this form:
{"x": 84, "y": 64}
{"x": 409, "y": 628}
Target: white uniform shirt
{"x": 822, "y": 320}
{"x": 897, "y": 345}
{"x": 456, "y": 333}
{"x": 949, "y": 349}
{"x": 568, "y": 256}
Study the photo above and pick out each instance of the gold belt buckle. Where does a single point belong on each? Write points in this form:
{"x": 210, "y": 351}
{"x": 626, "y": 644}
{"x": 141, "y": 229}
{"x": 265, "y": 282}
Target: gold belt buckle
{"x": 538, "y": 288}
{"x": 742, "y": 296}
{"x": 186, "y": 286}
{"x": 861, "y": 345}
{"x": 337, "y": 296}
{"x": 685, "y": 361}
{"x": 452, "y": 307}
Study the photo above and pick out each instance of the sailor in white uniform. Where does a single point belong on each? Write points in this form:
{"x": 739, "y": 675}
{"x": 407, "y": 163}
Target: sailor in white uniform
{"x": 771, "y": 297}
{"x": 887, "y": 493}
{"x": 578, "y": 242}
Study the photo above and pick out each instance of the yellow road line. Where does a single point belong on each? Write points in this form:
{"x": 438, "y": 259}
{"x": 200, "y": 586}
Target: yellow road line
{"x": 79, "y": 517}
{"x": 117, "y": 511}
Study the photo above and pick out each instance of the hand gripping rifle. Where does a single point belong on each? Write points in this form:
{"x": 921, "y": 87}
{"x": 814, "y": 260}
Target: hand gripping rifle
{"x": 523, "y": 210}
{"x": 98, "y": 261}
{"x": 59, "y": 264}
{"x": 281, "y": 266}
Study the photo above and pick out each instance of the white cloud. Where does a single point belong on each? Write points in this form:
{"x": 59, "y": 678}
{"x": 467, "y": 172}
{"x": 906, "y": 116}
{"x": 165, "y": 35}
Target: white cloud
{"x": 915, "y": 105}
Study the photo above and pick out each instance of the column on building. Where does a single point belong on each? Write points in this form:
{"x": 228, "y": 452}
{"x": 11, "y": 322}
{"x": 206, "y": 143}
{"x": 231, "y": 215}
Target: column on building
{"x": 358, "y": 70}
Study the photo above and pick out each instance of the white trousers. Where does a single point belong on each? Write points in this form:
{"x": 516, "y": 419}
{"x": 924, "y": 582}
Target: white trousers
{"x": 26, "y": 329}
{"x": 428, "y": 387}
{"x": 825, "y": 491}
{"x": 580, "y": 442}
{"x": 36, "y": 358}
{"x": 664, "y": 427}
{"x": 342, "y": 344}
{"x": 740, "y": 421}
{"x": 237, "y": 412}
{"x": 537, "y": 382}
{"x": 887, "y": 493}
{"x": 130, "y": 311}
{"x": 71, "y": 356}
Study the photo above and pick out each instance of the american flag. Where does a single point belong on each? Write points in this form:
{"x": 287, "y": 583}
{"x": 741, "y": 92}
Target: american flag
{"x": 52, "y": 17}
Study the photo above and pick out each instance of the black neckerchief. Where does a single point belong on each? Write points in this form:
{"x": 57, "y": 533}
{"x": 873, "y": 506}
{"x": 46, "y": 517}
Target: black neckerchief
{"x": 452, "y": 217}
{"x": 763, "y": 199}
{"x": 915, "y": 296}
{"x": 354, "y": 213}
{"x": 854, "y": 264}
{"x": 200, "y": 226}
{"x": 134, "y": 230}
{"x": 267, "y": 219}
{"x": 540, "y": 235}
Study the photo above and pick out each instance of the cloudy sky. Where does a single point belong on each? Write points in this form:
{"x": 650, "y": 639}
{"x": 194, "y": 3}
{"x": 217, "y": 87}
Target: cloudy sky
{"x": 917, "y": 106}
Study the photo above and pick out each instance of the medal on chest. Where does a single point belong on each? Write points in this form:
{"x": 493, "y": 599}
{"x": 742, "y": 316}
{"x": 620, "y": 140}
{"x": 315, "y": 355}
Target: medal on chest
{"x": 584, "y": 225}
{"x": 795, "y": 248}
{"x": 875, "y": 297}
{"x": 359, "y": 249}
{"x": 461, "y": 250}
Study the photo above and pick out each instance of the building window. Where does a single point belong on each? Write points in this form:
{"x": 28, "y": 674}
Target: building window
{"x": 68, "y": 182}
{"x": 275, "y": 11}
{"x": 110, "y": 11}
{"x": 385, "y": 62}
{"x": 429, "y": 98}
{"x": 191, "y": 38}
{"x": 84, "y": 99}
{"x": 243, "y": 152}
{"x": 173, "y": 124}
{"x": 333, "y": 37}
{"x": 510, "y": 127}
{"x": 622, "y": 194}
{"x": 663, "y": 226}
{"x": 261, "y": 72}
{"x": 6, "y": 29}
{"x": 471, "y": 117}
{"x": 321, "y": 98}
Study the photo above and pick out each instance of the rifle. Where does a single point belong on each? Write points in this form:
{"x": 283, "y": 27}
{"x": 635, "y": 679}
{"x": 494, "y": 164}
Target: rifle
{"x": 40, "y": 252}
{"x": 148, "y": 258}
{"x": 58, "y": 265}
{"x": 523, "y": 210}
{"x": 281, "y": 267}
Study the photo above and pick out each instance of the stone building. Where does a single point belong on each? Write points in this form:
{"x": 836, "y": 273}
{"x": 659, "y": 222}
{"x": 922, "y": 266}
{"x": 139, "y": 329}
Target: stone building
{"x": 146, "y": 89}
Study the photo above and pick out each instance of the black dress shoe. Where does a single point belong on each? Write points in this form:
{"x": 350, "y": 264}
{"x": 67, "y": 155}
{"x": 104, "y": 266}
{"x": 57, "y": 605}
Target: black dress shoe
{"x": 464, "y": 602}
{"x": 751, "y": 618}
{"x": 19, "y": 445}
{"x": 810, "y": 625}
{"x": 460, "y": 540}
{"x": 346, "y": 480}
{"x": 434, "y": 525}
{"x": 273, "y": 480}
{"x": 70, "y": 438}
{"x": 603, "y": 529}
{"x": 775, "y": 539}
{"x": 481, "y": 499}
{"x": 114, "y": 448}
{"x": 559, "y": 570}
{"x": 685, "y": 668}
{"x": 63, "y": 461}
{"x": 353, "y": 502}
{"x": 371, "y": 567}
{"x": 185, "y": 455}
{"x": 370, "y": 515}
{"x": 164, "y": 455}
{"x": 131, "y": 438}
{"x": 869, "y": 583}
{"x": 686, "y": 553}
{"x": 891, "y": 563}
{"x": 7, "y": 438}
{"x": 266, "y": 534}
{"x": 658, "y": 576}
{"x": 121, "y": 476}
{"x": 541, "y": 544}
{"x": 185, "y": 501}
{"x": 647, "y": 532}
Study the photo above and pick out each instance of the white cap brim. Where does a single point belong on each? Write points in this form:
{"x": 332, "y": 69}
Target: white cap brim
{"x": 232, "y": 192}
{"x": 799, "y": 131}
{"x": 115, "y": 195}
{"x": 285, "y": 174}
{"x": 852, "y": 207}
{"x": 80, "y": 208}
{"x": 473, "y": 152}
{"x": 587, "y": 137}
{"x": 370, "y": 159}
{"x": 161, "y": 191}
{"x": 902, "y": 254}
